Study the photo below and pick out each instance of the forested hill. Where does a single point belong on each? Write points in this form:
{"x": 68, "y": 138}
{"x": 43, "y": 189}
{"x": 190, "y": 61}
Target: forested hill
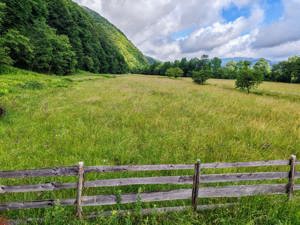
{"x": 60, "y": 36}
{"x": 133, "y": 57}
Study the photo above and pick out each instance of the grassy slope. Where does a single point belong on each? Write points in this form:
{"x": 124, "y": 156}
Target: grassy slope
{"x": 143, "y": 120}
{"x": 133, "y": 56}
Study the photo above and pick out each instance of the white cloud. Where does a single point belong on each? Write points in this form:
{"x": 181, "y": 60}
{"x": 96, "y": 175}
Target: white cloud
{"x": 151, "y": 23}
{"x": 287, "y": 29}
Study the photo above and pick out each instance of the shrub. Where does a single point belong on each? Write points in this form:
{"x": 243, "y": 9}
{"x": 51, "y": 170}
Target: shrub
{"x": 32, "y": 85}
{"x": 174, "y": 72}
{"x": 200, "y": 77}
{"x": 248, "y": 78}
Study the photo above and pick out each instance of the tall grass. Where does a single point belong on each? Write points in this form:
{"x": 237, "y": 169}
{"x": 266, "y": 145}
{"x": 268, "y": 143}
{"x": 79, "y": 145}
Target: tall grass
{"x": 105, "y": 120}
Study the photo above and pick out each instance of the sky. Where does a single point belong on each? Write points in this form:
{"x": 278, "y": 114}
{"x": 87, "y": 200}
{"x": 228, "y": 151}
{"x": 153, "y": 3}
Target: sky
{"x": 173, "y": 29}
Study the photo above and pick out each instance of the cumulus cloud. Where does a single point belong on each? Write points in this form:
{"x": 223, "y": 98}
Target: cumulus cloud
{"x": 219, "y": 34}
{"x": 287, "y": 29}
{"x": 151, "y": 25}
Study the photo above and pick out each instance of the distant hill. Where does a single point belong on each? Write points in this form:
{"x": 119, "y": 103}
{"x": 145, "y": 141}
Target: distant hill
{"x": 59, "y": 36}
{"x": 238, "y": 59}
{"x": 151, "y": 60}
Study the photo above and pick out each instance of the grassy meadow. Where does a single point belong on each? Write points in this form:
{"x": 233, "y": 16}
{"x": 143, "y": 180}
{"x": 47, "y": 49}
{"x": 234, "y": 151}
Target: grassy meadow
{"x": 134, "y": 119}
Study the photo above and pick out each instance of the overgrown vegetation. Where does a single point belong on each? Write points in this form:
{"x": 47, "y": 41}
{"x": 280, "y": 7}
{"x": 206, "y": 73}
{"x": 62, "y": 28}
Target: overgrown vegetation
{"x": 60, "y": 37}
{"x": 145, "y": 120}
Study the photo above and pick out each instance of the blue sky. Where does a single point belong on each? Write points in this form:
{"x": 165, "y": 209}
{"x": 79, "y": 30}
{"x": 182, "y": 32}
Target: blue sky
{"x": 171, "y": 29}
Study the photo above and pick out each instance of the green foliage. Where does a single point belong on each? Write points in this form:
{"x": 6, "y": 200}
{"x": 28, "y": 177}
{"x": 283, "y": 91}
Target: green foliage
{"x": 20, "y": 48}
{"x": 60, "y": 37}
{"x": 247, "y": 78}
{"x": 200, "y": 77}
{"x": 287, "y": 71}
{"x": 32, "y": 85}
{"x": 263, "y": 67}
{"x": 174, "y": 72}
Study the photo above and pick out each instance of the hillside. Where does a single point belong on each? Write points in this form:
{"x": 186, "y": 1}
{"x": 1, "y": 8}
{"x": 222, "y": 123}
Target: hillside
{"x": 61, "y": 36}
{"x": 133, "y": 56}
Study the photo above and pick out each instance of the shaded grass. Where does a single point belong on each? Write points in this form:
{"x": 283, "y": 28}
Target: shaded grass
{"x": 143, "y": 120}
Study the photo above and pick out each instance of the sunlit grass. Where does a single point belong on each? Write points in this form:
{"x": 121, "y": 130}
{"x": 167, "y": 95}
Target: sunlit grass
{"x": 134, "y": 119}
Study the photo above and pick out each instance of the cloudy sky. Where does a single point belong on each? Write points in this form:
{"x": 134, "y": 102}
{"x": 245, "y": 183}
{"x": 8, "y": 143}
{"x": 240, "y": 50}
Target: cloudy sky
{"x": 172, "y": 29}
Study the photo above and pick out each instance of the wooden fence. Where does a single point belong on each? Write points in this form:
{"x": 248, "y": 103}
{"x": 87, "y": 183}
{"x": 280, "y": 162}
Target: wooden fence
{"x": 194, "y": 180}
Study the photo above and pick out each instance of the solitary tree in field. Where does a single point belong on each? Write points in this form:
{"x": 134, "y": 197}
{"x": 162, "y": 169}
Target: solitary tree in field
{"x": 174, "y": 72}
{"x": 247, "y": 78}
{"x": 201, "y": 76}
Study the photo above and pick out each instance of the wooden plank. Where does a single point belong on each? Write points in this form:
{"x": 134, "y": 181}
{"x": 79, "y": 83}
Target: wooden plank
{"x": 37, "y": 187}
{"x": 181, "y": 194}
{"x": 196, "y": 180}
{"x": 36, "y": 204}
{"x": 291, "y": 184}
{"x": 106, "y": 169}
{"x": 234, "y": 177}
{"x": 140, "y": 181}
{"x": 64, "y": 171}
{"x": 208, "y": 178}
{"x": 79, "y": 190}
{"x": 245, "y": 164}
{"x": 73, "y": 171}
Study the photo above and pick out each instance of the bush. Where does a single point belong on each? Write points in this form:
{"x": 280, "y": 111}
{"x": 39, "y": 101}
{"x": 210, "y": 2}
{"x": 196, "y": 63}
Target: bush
{"x": 174, "y": 72}
{"x": 33, "y": 85}
{"x": 200, "y": 77}
{"x": 247, "y": 78}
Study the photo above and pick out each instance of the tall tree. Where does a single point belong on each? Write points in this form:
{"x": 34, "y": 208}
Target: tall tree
{"x": 216, "y": 66}
{"x": 263, "y": 66}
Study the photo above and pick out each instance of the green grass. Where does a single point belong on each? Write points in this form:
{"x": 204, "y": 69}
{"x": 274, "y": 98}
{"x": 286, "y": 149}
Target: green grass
{"x": 133, "y": 119}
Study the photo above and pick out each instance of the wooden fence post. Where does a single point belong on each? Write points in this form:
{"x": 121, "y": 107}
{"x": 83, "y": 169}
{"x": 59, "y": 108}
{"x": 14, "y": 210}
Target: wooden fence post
{"x": 79, "y": 190}
{"x": 196, "y": 182}
{"x": 292, "y": 173}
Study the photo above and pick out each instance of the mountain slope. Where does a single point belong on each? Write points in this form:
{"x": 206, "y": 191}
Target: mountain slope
{"x": 60, "y": 36}
{"x": 133, "y": 56}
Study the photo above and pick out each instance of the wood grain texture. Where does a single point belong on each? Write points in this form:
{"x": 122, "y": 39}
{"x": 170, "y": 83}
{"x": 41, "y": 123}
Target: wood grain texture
{"x": 73, "y": 170}
{"x": 176, "y": 180}
{"x": 180, "y": 194}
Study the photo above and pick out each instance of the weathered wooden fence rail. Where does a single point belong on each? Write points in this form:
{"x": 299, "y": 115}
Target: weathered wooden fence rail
{"x": 193, "y": 193}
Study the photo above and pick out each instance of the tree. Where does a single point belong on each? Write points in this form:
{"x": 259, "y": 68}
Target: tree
{"x": 201, "y": 76}
{"x": 216, "y": 66}
{"x": 19, "y": 47}
{"x": 53, "y": 53}
{"x": 247, "y": 78}
{"x": 263, "y": 67}
{"x": 174, "y": 72}
{"x": 4, "y": 51}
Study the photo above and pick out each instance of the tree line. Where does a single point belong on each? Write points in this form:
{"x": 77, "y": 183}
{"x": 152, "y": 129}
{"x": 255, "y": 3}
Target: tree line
{"x": 204, "y": 67}
{"x": 55, "y": 37}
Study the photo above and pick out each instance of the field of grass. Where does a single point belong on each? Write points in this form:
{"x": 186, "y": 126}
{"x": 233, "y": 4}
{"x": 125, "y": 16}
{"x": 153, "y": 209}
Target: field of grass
{"x": 133, "y": 119}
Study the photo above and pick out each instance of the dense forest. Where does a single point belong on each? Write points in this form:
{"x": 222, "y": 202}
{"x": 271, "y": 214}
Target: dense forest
{"x": 60, "y": 36}
{"x": 285, "y": 71}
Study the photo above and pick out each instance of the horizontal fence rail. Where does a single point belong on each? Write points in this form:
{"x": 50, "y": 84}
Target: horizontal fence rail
{"x": 73, "y": 171}
{"x": 180, "y": 194}
{"x": 193, "y": 193}
{"x": 204, "y": 179}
